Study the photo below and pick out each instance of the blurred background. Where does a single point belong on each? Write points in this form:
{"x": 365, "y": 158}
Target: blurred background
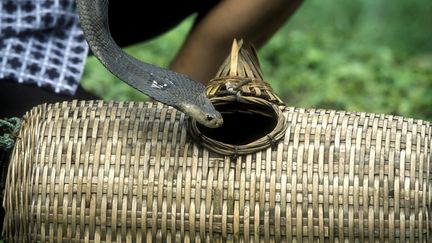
{"x": 358, "y": 55}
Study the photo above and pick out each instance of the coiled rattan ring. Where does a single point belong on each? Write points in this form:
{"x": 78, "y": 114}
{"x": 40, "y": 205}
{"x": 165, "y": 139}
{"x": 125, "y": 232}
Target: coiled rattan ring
{"x": 255, "y": 106}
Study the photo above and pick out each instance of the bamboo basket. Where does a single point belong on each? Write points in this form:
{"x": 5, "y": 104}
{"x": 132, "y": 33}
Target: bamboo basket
{"x": 99, "y": 171}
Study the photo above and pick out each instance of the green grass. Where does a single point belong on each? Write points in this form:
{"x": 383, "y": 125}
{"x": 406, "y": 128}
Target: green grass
{"x": 356, "y": 56}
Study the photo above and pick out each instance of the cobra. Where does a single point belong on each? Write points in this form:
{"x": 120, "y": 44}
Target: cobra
{"x": 166, "y": 86}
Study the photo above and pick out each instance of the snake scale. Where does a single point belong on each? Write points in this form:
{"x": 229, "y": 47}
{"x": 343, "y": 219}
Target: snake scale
{"x": 171, "y": 88}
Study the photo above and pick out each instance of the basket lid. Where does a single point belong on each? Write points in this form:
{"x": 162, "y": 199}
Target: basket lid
{"x": 241, "y": 75}
{"x": 251, "y": 110}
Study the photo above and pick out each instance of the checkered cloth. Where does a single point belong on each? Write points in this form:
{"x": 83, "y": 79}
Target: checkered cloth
{"x": 41, "y": 43}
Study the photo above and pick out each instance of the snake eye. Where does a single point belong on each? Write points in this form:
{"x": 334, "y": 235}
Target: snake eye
{"x": 209, "y": 118}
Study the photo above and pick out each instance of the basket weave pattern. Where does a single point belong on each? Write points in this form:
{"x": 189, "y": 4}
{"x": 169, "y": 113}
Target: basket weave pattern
{"x": 240, "y": 81}
{"x": 242, "y": 69}
{"x": 106, "y": 171}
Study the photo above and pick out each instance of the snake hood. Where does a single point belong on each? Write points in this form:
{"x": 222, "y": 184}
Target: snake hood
{"x": 163, "y": 85}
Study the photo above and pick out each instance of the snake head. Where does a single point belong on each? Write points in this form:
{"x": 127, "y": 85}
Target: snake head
{"x": 165, "y": 86}
{"x": 204, "y": 113}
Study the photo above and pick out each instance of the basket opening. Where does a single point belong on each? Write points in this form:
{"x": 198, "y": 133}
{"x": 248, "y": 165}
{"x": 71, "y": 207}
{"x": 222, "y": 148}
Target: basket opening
{"x": 243, "y": 123}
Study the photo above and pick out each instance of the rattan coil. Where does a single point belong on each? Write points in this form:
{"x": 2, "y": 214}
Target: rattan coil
{"x": 269, "y": 139}
{"x": 129, "y": 172}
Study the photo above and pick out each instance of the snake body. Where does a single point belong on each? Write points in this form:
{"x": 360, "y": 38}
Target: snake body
{"x": 163, "y": 85}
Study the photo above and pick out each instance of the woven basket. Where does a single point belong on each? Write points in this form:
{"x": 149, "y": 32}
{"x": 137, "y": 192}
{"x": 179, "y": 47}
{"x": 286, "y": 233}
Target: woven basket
{"x": 130, "y": 172}
{"x": 245, "y": 101}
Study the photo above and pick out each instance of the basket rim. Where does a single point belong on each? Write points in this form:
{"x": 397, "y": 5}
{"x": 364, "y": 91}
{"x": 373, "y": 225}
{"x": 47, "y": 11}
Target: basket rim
{"x": 268, "y": 140}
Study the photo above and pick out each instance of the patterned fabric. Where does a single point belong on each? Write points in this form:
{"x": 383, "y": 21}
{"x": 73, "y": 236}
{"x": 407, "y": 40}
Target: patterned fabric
{"x": 41, "y": 43}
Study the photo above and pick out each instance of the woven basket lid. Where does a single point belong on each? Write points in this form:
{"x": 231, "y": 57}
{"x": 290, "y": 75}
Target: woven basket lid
{"x": 241, "y": 75}
{"x": 251, "y": 110}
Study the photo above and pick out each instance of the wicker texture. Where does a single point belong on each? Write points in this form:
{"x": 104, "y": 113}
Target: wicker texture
{"x": 240, "y": 83}
{"x": 241, "y": 71}
{"x": 105, "y": 171}
{"x": 131, "y": 172}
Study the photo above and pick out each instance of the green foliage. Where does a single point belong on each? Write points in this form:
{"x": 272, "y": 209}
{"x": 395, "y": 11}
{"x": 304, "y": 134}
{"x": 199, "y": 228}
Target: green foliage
{"x": 372, "y": 56}
{"x": 359, "y": 78}
{"x": 9, "y": 128}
